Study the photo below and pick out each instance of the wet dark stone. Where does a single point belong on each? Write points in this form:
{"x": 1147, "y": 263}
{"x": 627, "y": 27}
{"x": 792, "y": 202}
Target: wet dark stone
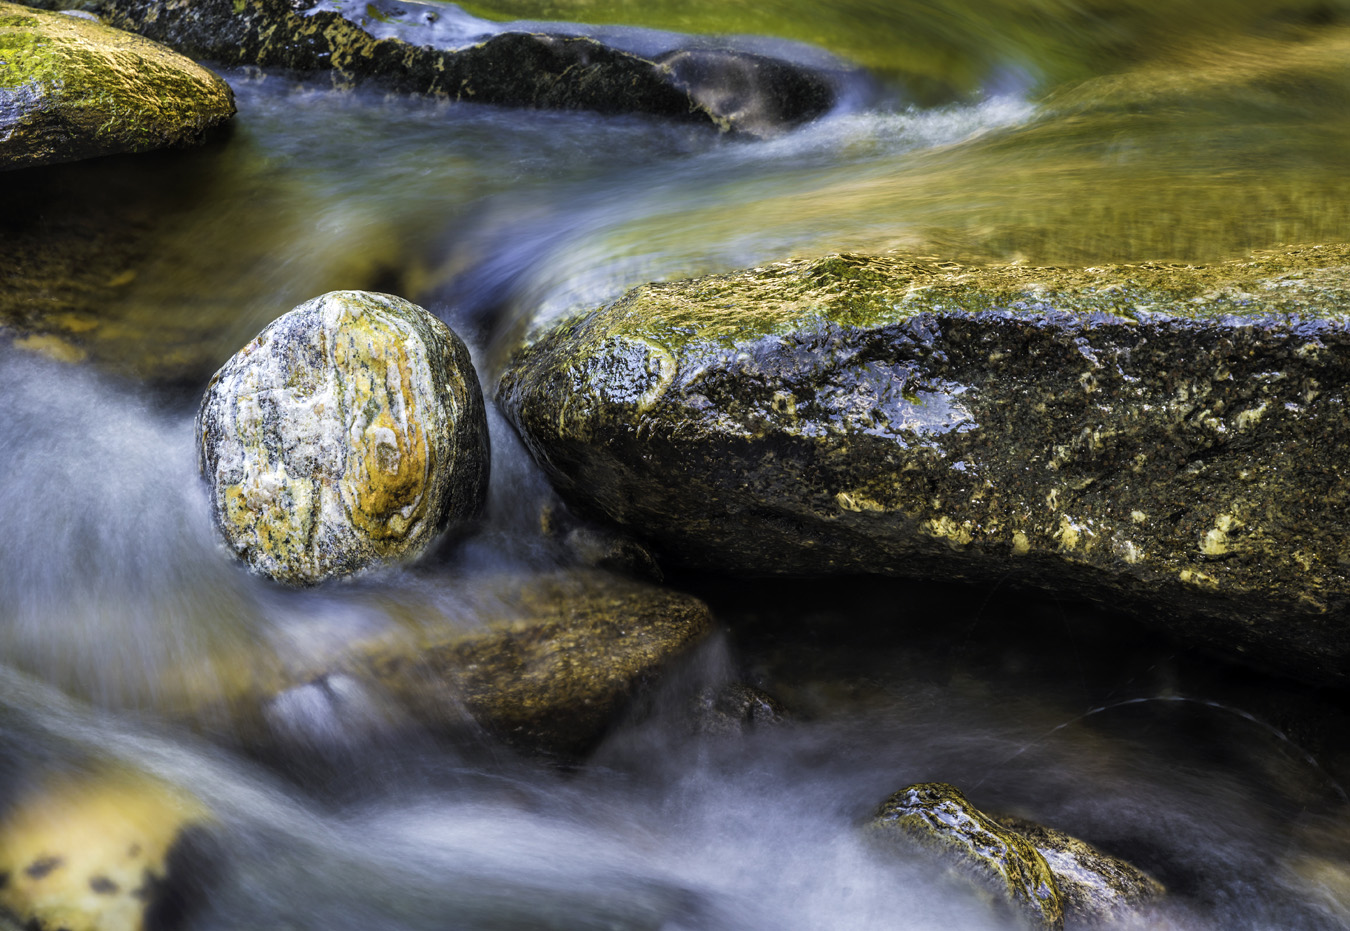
{"x": 728, "y": 90}
{"x": 755, "y": 93}
{"x": 1163, "y": 439}
{"x": 936, "y": 818}
{"x": 194, "y": 866}
{"x": 734, "y": 709}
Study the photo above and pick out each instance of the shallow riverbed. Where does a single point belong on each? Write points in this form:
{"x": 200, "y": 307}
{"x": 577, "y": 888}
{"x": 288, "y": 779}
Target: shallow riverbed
{"x": 1226, "y": 785}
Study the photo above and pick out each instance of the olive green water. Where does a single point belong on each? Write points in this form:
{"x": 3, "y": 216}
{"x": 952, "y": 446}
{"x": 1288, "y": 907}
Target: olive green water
{"x": 1037, "y": 132}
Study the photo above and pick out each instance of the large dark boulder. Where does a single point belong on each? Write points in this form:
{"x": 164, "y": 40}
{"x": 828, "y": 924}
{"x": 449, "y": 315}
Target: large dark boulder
{"x": 1170, "y": 439}
{"x": 73, "y": 89}
{"x": 404, "y": 47}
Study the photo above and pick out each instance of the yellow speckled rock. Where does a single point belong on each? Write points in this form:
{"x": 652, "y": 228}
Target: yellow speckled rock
{"x": 936, "y": 816}
{"x": 1099, "y": 890}
{"x": 71, "y": 89}
{"x": 350, "y": 432}
{"x": 90, "y": 852}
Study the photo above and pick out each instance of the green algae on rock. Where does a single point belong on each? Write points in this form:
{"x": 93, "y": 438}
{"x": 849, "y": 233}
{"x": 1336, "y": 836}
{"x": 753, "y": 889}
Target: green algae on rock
{"x": 73, "y": 89}
{"x": 1156, "y": 436}
{"x": 350, "y": 432}
{"x": 1097, "y": 888}
{"x": 936, "y": 816}
{"x": 511, "y": 69}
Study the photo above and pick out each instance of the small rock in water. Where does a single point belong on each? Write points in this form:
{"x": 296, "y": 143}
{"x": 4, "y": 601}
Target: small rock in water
{"x": 97, "y": 852}
{"x": 1098, "y": 889}
{"x": 937, "y": 816}
{"x": 735, "y": 708}
{"x": 349, "y": 432}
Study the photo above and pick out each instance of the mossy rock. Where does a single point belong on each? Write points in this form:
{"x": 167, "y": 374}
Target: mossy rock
{"x": 516, "y": 69}
{"x": 1165, "y": 438}
{"x": 73, "y": 89}
{"x": 1098, "y": 890}
{"x": 545, "y": 663}
{"x": 349, "y": 433}
{"x": 936, "y": 817}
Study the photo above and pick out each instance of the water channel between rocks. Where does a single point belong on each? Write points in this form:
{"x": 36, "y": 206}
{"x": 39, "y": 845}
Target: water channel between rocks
{"x": 1221, "y": 782}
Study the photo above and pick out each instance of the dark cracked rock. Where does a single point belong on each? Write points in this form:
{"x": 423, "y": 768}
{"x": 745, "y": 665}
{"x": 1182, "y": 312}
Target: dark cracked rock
{"x": 1166, "y": 438}
{"x": 406, "y": 47}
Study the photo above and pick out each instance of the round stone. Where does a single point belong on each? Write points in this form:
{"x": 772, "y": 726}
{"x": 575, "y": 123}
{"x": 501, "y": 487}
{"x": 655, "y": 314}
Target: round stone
{"x": 350, "y": 432}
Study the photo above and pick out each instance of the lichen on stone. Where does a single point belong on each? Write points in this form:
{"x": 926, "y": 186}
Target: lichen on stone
{"x": 935, "y": 817}
{"x": 350, "y": 432}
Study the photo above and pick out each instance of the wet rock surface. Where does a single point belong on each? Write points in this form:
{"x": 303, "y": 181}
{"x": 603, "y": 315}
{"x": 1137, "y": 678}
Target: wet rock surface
{"x": 95, "y": 851}
{"x": 350, "y": 432}
{"x": 1156, "y": 436}
{"x": 543, "y": 662}
{"x": 73, "y": 89}
{"x": 937, "y": 817}
{"x": 733, "y": 709}
{"x": 409, "y": 48}
{"x": 1097, "y": 888}
{"x": 753, "y": 93}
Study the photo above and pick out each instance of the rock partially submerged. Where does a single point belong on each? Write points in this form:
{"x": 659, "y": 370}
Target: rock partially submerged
{"x": 97, "y": 851}
{"x": 1097, "y": 889}
{"x": 73, "y": 89}
{"x": 543, "y": 662}
{"x": 1048, "y": 877}
{"x": 1168, "y": 438}
{"x": 404, "y": 46}
{"x": 934, "y": 816}
{"x": 350, "y": 432}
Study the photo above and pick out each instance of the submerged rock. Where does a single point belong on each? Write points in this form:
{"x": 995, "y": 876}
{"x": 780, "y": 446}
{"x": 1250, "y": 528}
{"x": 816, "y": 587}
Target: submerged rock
{"x": 407, "y": 46}
{"x": 735, "y": 708}
{"x": 543, "y": 662}
{"x": 350, "y": 432}
{"x": 936, "y": 816}
{"x": 1097, "y": 888}
{"x": 1160, "y": 437}
{"x": 97, "y": 851}
{"x": 73, "y": 89}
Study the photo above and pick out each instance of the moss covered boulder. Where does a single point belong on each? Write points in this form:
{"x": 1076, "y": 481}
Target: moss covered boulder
{"x": 936, "y": 818}
{"x": 350, "y": 432}
{"x": 72, "y": 89}
{"x": 407, "y": 46}
{"x": 1165, "y": 438}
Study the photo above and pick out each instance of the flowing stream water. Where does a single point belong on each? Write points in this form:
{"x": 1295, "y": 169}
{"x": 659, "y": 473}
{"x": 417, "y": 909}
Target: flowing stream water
{"x": 1219, "y": 781}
